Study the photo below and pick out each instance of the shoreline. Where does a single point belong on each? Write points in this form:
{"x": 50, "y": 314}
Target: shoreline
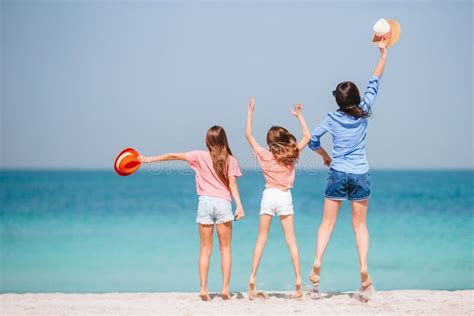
{"x": 387, "y": 302}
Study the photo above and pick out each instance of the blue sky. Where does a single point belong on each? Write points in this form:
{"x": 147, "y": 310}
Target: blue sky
{"x": 83, "y": 79}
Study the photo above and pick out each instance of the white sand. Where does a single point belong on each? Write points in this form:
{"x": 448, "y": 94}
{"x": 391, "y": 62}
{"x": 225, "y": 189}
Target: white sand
{"x": 387, "y": 302}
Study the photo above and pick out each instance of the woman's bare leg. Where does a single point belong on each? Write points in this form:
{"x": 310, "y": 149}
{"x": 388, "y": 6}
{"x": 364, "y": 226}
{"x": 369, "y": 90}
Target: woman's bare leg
{"x": 359, "y": 224}
{"x": 331, "y": 209}
{"x": 263, "y": 229}
{"x": 287, "y": 223}
{"x": 205, "y": 234}
{"x": 224, "y": 232}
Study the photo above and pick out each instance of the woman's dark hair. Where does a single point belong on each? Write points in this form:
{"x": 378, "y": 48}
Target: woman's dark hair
{"x": 348, "y": 98}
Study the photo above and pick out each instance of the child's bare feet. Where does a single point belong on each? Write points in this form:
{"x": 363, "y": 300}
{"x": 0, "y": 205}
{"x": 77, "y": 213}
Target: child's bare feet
{"x": 254, "y": 294}
{"x": 225, "y": 295}
{"x": 314, "y": 276}
{"x": 365, "y": 281}
{"x": 204, "y": 294}
{"x": 366, "y": 290}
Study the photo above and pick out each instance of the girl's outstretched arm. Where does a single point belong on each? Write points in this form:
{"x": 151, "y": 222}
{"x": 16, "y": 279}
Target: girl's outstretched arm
{"x": 165, "y": 157}
{"x": 383, "y": 57}
{"x": 234, "y": 190}
{"x": 298, "y": 112}
{"x": 248, "y": 129}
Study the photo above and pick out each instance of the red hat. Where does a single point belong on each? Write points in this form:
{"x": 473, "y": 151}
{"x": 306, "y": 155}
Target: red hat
{"x": 126, "y": 162}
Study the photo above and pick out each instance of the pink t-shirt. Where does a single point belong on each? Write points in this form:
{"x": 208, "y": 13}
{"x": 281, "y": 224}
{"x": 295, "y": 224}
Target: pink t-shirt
{"x": 276, "y": 175}
{"x": 207, "y": 180}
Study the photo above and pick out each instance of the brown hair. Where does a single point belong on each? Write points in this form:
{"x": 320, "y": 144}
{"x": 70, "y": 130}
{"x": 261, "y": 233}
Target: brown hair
{"x": 282, "y": 144}
{"x": 216, "y": 142}
{"x": 348, "y": 98}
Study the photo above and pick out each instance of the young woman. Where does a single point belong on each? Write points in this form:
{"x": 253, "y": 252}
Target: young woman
{"x": 278, "y": 165}
{"x": 349, "y": 171}
{"x": 216, "y": 183}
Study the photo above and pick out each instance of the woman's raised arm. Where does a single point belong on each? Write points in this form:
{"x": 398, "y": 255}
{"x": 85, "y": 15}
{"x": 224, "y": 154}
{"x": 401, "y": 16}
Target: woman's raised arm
{"x": 383, "y": 57}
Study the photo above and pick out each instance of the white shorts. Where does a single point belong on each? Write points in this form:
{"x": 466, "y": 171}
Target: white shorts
{"x": 276, "y": 202}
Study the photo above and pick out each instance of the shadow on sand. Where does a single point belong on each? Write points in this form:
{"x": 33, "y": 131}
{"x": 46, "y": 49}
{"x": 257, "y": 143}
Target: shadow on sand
{"x": 311, "y": 294}
{"x": 233, "y": 296}
{"x": 361, "y": 297}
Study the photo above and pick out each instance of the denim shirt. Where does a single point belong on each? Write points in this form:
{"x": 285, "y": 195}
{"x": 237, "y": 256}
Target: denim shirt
{"x": 348, "y": 132}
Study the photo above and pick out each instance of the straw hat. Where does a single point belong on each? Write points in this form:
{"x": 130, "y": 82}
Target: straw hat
{"x": 126, "y": 162}
{"x": 382, "y": 28}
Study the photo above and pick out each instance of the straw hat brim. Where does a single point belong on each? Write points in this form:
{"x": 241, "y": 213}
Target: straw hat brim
{"x": 395, "y": 29}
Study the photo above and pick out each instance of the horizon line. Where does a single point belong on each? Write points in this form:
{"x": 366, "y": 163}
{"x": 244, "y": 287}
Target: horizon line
{"x": 174, "y": 169}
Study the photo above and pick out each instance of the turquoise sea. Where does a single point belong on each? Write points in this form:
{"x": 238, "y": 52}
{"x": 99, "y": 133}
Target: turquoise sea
{"x": 92, "y": 231}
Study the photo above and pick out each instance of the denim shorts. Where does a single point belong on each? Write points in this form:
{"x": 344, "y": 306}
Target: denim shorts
{"x": 213, "y": 210}
{"x": 347, "y": 186}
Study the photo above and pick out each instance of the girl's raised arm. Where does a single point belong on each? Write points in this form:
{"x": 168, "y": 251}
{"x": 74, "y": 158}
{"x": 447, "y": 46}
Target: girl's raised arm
{"x": 248, "y": 129}
{"x": 298, "y": 112}
{"x": 165, "y": 157}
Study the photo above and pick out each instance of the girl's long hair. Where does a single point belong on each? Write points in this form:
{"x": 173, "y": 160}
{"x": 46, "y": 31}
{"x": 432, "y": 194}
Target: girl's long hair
{"x": 348, "y": 98}
{"x": 283, "y": 145}
{"x": 218, "y": 146}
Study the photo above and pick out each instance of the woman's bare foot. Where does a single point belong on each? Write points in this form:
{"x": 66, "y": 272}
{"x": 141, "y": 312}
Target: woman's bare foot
{"x": 314, "y": 276}
{"x": 299, "y": 295}
{"x": 365, "y": 281}
{"x": 254, "y": 294}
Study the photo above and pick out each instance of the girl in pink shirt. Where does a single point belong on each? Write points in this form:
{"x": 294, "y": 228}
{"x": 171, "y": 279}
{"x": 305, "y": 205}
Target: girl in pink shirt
{"x": 216, "y": 184}
{"x": 278, "y": 165}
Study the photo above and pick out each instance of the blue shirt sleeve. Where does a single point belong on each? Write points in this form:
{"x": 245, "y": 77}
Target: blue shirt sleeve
{"x": 370, "y": 94}
{"x": 317, "y": 133}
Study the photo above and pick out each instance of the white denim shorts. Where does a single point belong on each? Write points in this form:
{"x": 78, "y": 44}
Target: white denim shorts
{"x": 276, "y": 202}
{"x": 213, "y": 210}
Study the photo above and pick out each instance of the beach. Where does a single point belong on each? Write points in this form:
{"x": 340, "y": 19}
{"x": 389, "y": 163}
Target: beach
{"x": 387, "y": 302}
{"x": 89, "y": 233}
{"x": 139, "y": 141}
